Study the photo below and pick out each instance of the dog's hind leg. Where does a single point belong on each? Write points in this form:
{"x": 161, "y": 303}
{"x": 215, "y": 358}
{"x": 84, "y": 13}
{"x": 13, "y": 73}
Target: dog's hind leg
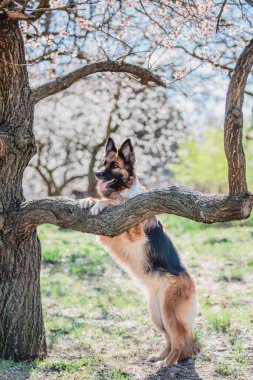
{"x": 178, "y": 313}
{"x": 179, "y": 339}
{"x": 156, "y": 317}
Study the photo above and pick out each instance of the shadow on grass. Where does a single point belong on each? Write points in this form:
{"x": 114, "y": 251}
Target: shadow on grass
{"x": 185, "y": 370}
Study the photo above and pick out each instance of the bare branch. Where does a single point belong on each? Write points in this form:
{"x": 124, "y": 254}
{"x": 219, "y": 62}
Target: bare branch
{"x": 250, "y": 2}
{"x": 63, "y": 82}
{"x": 234, "y": 122}
{"x": 16, "y": 16}
{"x": 69, "y": 180}
{"x": 113, "y": 221}
{"x": 220, "y": 14}
{"x": 250, "y": 93}
{"x": 204, "y": 59}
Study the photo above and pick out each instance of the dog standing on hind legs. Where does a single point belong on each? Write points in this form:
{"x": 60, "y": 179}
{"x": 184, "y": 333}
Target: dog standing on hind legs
{"x": 147, "y": 253}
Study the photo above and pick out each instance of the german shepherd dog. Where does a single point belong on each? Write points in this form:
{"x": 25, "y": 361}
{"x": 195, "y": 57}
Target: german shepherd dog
{"x": 147, "y": 253}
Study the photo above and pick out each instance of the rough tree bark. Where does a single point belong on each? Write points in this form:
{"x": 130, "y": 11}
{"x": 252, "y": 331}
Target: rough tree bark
{"x": 91, "y": 178}
{"x": 21, "y": 323}
{"x": 233, "y": 126}
{"x": 68, "y": 213}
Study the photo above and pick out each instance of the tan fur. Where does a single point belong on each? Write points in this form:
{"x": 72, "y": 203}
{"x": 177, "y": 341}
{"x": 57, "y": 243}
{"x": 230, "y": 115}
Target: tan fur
{"x": 171, "y": 299}
{"x": 179, "y": 309}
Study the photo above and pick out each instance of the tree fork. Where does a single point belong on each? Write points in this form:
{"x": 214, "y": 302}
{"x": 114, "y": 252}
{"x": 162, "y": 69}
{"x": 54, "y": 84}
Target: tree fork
{"x": 186, "y": 203}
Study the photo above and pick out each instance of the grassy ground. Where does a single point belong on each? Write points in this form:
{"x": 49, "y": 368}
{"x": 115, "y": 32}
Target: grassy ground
{"x": 96, "y": 319}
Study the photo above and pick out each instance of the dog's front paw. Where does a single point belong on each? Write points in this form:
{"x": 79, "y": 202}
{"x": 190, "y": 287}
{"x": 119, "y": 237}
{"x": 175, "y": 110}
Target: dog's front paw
{"x": 99, "y": 207}
{"x": 87, "y": 202}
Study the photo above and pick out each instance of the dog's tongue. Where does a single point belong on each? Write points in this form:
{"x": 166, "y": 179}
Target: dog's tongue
{"x": 102, "y": 186}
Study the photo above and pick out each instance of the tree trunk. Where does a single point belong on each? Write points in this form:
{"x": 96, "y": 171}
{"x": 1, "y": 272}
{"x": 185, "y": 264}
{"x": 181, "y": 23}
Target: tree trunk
{"x": 92, "y": 183}
{"x": 21, "y": 322}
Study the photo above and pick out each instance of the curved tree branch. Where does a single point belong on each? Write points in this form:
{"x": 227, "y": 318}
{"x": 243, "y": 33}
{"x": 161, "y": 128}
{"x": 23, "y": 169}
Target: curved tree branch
{"x": 63, "y": 82}
{"x": 113, "y": 221}
{"x": 234, "y": 122}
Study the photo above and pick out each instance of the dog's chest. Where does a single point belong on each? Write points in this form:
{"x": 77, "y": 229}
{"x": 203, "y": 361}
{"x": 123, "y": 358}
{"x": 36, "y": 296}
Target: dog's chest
{"x": 130, "y": 255}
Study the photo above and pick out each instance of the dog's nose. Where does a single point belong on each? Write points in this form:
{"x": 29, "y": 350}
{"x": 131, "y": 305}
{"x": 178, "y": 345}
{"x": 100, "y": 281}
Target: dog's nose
{"x": 99, "y": 174}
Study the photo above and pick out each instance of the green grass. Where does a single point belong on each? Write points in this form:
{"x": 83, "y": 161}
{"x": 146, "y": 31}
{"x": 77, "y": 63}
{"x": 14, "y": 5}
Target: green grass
{"x": 224, "y": 369}
{"x": 221, "y": 321}
{"x": 51, "y": 255}
{"x": 5, "y": 365}
{"x": 61, "y": 365}
{"x": 234, "y": 275}
{"x": 96, "y": 320}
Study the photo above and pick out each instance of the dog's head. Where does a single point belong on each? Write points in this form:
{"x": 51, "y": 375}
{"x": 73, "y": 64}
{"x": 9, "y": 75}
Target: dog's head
{"x": 117, "y": 170}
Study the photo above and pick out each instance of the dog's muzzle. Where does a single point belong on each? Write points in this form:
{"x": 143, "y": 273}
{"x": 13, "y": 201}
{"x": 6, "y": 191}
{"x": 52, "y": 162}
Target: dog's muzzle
{"x": 100, "y": 174}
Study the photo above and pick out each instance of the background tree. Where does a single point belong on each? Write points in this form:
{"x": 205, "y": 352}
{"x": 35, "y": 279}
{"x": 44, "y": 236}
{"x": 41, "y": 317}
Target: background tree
{"x": 202, "y": 162}
{"x": 67, "y": 155}
{"x": 102, "y": 36}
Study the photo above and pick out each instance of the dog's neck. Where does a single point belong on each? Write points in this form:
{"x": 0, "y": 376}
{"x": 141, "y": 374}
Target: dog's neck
{"x": 134, "y": 190}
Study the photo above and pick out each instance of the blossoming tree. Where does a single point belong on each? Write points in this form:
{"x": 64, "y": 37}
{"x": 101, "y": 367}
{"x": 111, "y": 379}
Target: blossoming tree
{"x": 66, "y": 155}
{"x": 70, "y": 40}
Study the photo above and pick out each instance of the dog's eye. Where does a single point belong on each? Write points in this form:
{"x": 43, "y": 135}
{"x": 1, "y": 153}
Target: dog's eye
{"x": 114, "y": 165}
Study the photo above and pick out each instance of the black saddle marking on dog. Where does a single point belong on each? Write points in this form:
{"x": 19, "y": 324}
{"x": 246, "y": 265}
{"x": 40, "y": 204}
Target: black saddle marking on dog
{"x": 162, "y": 255}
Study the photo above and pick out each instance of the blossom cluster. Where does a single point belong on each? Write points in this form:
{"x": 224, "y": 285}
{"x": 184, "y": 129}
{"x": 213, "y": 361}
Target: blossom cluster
{"x": 142, "y": 31}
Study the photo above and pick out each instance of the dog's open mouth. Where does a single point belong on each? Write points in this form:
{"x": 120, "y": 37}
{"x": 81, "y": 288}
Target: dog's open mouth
{"x": 103, "y": 185}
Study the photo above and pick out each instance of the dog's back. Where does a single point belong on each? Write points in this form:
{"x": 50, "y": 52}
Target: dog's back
{"x": 162, "y": 255}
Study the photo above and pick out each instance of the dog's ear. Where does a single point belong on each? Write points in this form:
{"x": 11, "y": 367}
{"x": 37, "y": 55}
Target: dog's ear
{"x": 110, "y": 146}
{"x": 127, "y": 151}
